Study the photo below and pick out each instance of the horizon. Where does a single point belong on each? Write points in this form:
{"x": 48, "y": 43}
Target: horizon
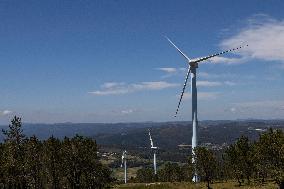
{"x": 108, "y": 61}
{"x": 141, "y": 122}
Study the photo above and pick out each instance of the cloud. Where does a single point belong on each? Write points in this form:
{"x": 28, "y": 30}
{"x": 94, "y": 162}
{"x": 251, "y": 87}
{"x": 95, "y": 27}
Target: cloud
{"x": 231, "y": 79}
{"x": 5, "y": 112}
{"x": 265, "y": 109}
{"x": 202, "y": 95}
{"x": 230, "y": 83}
{"x": 278, "y": 104}
{"x": 265, "y": 37}
{"x": 220, "y": 59}
{"x": 108, "y": 85}
{"x": 213, "y": 75}
{"x": 127, "y": 112}
{"x": 114, "y": 88}
{"x": 169, "y": 71}
{"x": 232, "y": 109}
{"x": 214, "y": 83}
{"x": 208, "y": 83}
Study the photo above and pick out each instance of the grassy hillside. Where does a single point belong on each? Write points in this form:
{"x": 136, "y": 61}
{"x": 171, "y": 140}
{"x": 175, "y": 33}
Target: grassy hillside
{"x": 184, "y": 185}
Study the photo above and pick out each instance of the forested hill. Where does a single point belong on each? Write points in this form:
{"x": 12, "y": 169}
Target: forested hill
{"x": 165, "y": 134}
{"x": 60, "y": 130}
{"x": 170, "y": 135}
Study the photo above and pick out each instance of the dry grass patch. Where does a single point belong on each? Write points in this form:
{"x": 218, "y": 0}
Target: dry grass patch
{"x": 188, "y": 185}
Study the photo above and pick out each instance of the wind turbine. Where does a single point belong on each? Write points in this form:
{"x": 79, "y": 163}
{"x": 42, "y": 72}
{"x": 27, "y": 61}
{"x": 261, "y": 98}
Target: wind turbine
{"x": 123, "y": 163}
{"x": 154, "y": 148}
{"x": 192, "y": 65}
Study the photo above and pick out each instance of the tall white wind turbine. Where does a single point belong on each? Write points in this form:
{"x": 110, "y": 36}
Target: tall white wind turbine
{"x": 123, "y": 163}
{"x": 154, "y": 148}
{"x": 192, "y": 65}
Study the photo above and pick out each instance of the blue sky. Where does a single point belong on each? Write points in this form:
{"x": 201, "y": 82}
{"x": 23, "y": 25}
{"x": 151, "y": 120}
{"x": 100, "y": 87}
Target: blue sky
{"x": 107, "y": 61}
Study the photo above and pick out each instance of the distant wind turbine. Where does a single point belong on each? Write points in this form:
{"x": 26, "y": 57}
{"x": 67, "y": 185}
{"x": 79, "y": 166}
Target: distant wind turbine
{"x": 154, "y": 148}
{"x": 123, "y": 163}
{"x": 192, "y": 65}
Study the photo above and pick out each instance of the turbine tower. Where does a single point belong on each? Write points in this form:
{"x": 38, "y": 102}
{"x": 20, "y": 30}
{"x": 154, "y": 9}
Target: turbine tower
{"x": 192, "y": 65}
{"x": 154, "y": 148}
{"x": 123, "y": 163}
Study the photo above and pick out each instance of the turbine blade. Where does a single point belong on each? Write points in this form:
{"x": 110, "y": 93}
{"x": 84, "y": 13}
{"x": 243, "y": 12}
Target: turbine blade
{"x": 151, "y": 141}
{"x": 184, "y": 85}
{"x": 217, "y": 54}
{"x": 184, "y": 55}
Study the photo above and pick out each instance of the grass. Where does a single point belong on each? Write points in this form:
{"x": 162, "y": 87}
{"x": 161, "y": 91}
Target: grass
{"x": 119, "y": 172}
{"x": 187, "y": 185}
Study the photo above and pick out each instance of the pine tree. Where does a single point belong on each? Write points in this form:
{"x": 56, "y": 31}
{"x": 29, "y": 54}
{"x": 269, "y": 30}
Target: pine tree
{"x": 14, "y": 155}
{"x": 33, "y": 162}
{"x": 53, "y": 162}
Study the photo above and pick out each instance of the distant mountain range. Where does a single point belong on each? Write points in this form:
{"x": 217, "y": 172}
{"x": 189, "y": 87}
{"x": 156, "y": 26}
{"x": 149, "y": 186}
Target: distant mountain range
{"x": 60, "y": 130}
{"x": 170, "y": 135}
{"x": 165, "y": 134}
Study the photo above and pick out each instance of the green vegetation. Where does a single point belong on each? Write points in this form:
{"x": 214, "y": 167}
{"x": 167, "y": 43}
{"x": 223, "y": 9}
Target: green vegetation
{"x": 249, "y": 163}
{"x": 73, "y": 163}
{"x": 31, "y": 163}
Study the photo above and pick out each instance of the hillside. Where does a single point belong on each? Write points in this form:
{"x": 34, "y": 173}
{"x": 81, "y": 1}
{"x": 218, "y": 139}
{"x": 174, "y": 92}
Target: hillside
{"x": 170, "y": 135}
{"x": 167, "y": 135}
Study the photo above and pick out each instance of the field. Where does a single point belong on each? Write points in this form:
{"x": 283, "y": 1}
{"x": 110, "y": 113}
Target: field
{"x": 186, "y": 185}
{"x": 131, "y": 172}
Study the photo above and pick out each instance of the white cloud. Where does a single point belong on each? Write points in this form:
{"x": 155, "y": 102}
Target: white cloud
{"x": 278, "y": 104}
{"x": 220, "y": 59}
{"x": 233, "y": 77}
{"x": 5, "y": 112}
{"x": 214, "y": 75}
{"x": 202, "y": 95}
{"x": 168, "y": 70}
{"x": 265, "y": 37}
{"x": 126, "y": 112}
{"x": 108, "y": 85}
{"x": 113, "y": 88}
{"x": 230, "y": 83}
{"x": 265, "y": 109}
{"x": 208, "y": 83}
{"x": 232, "y": 109}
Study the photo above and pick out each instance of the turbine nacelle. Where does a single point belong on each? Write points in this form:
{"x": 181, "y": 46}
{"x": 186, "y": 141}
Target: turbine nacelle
{"x": 123, "y": 158}
{"x": 193, "y": 64}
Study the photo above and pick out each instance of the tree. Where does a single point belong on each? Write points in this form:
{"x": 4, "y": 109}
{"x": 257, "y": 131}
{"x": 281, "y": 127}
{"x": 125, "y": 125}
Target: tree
{"x": 241, "y": 158}
{"x": 205, "y": 163}
{"x": 270, "y": 148}
{"x": 145, "y": 175}
{"x": 2, "y": 171}
{"x": 187, "y": 171}
{"x": 13, "y": 155}
{"x": 33, "y": 162}
{"x": 53, "y": 162}
{"x": 232, "y": 162}
{"x": 171, "y": 172}
{"x": 82, "y": 167}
